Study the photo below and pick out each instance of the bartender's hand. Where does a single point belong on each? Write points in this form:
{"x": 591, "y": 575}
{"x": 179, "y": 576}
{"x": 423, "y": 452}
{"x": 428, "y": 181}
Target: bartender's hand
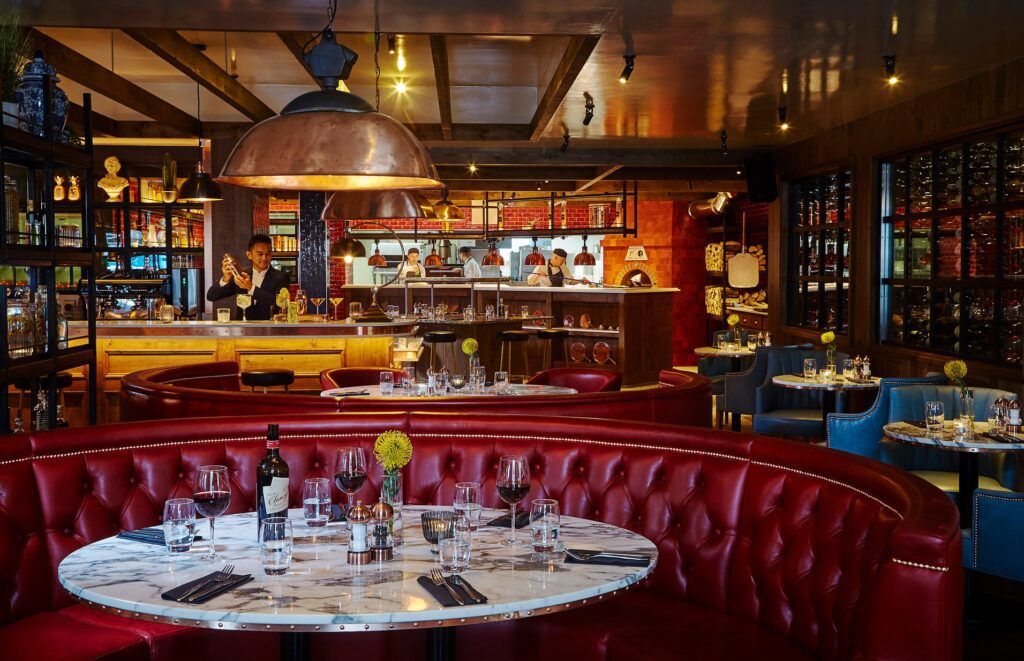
{"x": 244, "y": 281}
{"x": 227, "y": 269}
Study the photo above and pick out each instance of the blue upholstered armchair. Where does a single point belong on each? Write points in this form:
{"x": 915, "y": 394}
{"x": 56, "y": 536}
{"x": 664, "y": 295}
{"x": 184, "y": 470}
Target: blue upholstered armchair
{"x": 715, "y": 368}
{"x": 993, "y": 544}
{"x": 787, "y": 411}
{"x": 741, "y": 387}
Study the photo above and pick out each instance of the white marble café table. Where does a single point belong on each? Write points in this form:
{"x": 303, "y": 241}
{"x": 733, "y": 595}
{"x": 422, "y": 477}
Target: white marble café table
{"x": 514, "y": 389}
{"x": 322, "y": 593}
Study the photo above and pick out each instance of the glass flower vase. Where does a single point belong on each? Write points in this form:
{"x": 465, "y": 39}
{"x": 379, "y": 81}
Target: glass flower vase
{"x": 391, "y": 493}
{"x": 830, "y": 359}
{"x": 967, "y": 406}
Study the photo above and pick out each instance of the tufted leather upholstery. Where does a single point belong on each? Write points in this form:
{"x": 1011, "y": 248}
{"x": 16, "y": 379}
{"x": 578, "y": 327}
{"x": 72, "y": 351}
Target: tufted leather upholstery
{"x": 583, "y": 379}
{"x": 345, "y": 377}
{"x": 756, "y": 536}
{"x": 681, "y": 398}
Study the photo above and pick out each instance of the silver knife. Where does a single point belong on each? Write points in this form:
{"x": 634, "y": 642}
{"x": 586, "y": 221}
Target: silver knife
{"x": 216, "y": 585}
{"x": 470, "y": 590}
{"x": 452, "y": 592}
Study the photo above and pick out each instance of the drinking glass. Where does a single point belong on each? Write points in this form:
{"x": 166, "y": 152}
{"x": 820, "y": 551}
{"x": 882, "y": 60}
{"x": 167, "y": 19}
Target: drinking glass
{"x": 355, "y": 310}
{"x": 467, "y": 503}
{"x": 179, "y": 524}
{"x": 934, "y": 416}
{"x": 336, "y": 301}
{"x": 469, "y": 313}
{"x": 810, "y": 368}
{"x": 513, "y": 485}
{"x": 501, "y": 383}
{"x": 489, "y": 313}
{"x": 962, "y": 429}
{"x": 387, "y": 383}
{"x": 995, "y": 416}
{"x": 243, "y": 301}
{"x": 317, "y": 301}
{"x": 544, "y": 525}
{"x": 316, "y": 501}
{"x": 847, "y": 368}
{"x": 349, "y": 472}
{"x": 453, "y": 554}
{"x": 826, "y": 375}
{"x": 441, "y": 382}
{"x": 752, "y": 342}
{"x": 276, "y": 542}
{"x": 223, "y": 315}
{"x": 409, "y": 380}
{"x": 524, "y": 311}
{"x": 480, "y": 377}
{"x": 212, "y": 497}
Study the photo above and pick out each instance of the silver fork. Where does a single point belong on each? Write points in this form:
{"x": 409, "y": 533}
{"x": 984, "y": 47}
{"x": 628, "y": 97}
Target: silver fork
{"x": 588, "y": 555}
{"x": 438, "y": 579}
{"x": 219, "y": 577}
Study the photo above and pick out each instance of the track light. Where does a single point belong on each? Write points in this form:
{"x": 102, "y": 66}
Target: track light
{"x": 565, "y": 141}
{"x": 588, "y": 112}
{"x": 392, "y": 43}
{"x": 783, "y": 123}
{"x": 725, "y": 141}
{"x": 627, "y": 70}
{"x": 890, "y": 70}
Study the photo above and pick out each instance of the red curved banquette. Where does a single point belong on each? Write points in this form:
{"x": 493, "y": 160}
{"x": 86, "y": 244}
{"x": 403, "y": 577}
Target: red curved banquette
{"x": 767, "y": 549}
{"x": 211, "y": 389}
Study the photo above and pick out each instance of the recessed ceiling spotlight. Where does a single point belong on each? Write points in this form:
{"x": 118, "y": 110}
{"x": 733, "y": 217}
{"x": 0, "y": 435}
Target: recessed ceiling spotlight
{"x": 392, "y": 43}
{"x": 783, "y": 123}
{"x": 401, "y": 87}
{"x": 890, "y": 70}
{"x": 472, "y": 168}
{"x": 588, "y": 109}
{"x": 627, "y": 70}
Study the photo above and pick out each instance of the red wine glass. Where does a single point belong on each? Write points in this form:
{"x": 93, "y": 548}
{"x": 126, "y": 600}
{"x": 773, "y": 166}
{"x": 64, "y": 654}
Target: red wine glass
{"x": 513, "y": 485}
{"x": 349, "y": 473}
{"x": 212, "y": 497}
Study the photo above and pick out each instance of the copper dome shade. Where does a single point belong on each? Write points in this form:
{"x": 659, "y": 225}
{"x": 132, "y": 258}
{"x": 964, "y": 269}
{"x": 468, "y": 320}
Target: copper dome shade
{"x": 535, "y": 258}
{"x": 584, "y": 258}
{"x": 377, "y": 205}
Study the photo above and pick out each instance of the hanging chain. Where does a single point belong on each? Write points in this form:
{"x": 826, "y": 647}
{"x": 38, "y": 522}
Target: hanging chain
{"x": 332, "y": 10}
{"x": 376, "y": 67}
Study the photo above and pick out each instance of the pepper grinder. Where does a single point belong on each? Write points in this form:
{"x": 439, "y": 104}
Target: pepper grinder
{"x": 382, "y": 541}
{"x": 358, "y": 548}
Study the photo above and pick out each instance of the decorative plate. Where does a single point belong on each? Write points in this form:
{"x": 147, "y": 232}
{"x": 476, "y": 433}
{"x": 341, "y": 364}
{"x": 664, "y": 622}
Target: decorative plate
{"x": 585, "y": 321}
{"x": 568, "y": 321}
{"x": 602, "y": 353}
{"x": 578, "y": 352}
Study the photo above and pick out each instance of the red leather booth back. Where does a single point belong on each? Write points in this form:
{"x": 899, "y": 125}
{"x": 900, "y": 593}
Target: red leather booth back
{"x": 683, "y": 398}
{"x": 831, "y": 554}
{"x": 583, "y": 379}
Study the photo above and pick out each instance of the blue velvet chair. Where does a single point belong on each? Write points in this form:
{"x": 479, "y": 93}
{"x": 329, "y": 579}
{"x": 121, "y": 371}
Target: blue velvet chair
{"x": 788, "y": 411}
{"x": 994, "y": 542}
{"x": 715, "y": 369}
{"x": 741, "y": 387}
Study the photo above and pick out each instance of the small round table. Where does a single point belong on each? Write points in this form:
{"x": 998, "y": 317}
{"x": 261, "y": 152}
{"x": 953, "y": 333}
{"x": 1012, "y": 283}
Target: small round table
{"x": 828, "y": 390}
{"x": 967, "y": 453}
{"x": 735, "y": 357}
{"x": 322, "y": 593}
{"x": 514, "y": 389}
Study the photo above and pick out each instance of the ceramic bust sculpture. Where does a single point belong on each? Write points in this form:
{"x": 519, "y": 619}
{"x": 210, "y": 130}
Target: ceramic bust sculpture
{"x": 112, "y": 184}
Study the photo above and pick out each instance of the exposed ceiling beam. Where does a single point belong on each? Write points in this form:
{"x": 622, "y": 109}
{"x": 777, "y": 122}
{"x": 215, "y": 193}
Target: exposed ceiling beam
{"x": 464, "y": 187}
{"x": 296, "y": 41}
{"x": 439, "y": 53}
{"x": 101, "y": 124}
{"x": 607, "y": 173}
{"x": 101, "y": 80}
{"x": 598, "y": 157}
{"x": 576, "y": 54}
{"x": 519, "y": 173}
{"x": 471, "y": 132}
{"x": 177, "y": 51}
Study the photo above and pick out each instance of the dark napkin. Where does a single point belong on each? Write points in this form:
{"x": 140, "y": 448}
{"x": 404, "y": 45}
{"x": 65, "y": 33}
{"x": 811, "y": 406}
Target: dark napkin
{"x": 522, "y": 520}
{"x": 235, "y": 580}
{"x": 439, "y": 593}
{"x": 604, "y": 560}
{"x": 920, "y": 424}
{"x": 148, "y": 536}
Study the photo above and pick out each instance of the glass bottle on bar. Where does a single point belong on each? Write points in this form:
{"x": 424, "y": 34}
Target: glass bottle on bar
{"x": 271, "y": 480}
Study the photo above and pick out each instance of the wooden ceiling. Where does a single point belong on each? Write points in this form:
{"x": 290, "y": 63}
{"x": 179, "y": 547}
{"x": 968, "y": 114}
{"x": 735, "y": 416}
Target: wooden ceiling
{"x": 481, "y": 78}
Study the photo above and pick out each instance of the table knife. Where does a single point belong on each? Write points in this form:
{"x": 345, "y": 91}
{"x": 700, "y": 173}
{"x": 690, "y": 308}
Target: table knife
{"x": 469, "y": 589}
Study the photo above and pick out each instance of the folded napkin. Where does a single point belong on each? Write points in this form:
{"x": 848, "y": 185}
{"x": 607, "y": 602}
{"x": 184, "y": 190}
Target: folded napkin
{"x": 207, "y": 594}
{"x": 522, "y": 520}
{"x": 920, "y": 424}
{"x": 439, "y": 593}
{"x": 148, "y": 536}
{"x": 618, "y": 559}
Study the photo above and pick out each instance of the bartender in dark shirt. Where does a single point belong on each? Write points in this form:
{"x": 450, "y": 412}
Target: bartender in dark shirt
{"x": 262, "y": 284}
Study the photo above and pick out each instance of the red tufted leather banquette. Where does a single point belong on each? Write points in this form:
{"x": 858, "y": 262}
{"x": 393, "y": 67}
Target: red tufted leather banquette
{"x": 766, "y": 547}
{"x": 583, "y": 379}
{"x": 190, "y": 391}
{"x": 345, "y": 377}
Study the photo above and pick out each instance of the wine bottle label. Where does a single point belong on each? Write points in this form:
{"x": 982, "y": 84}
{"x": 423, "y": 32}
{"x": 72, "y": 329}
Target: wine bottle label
{"x": 275, "y": 496}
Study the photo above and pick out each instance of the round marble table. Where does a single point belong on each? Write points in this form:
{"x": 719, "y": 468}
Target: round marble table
{"x": 915, "y": 433}
{"x": 828, "y": 389}
{"x": 322, "y": 593}
{"x": 514, "y": 389}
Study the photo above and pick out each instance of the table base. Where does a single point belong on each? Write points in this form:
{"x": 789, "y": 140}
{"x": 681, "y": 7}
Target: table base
{"x": 295, "y": 645}
{"x": 968, "y": 484}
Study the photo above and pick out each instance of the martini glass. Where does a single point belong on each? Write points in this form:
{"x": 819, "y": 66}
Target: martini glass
{"x": 243, "y": 301}
{"x": 317, "y": 301}
{"x": 336, "y": 301}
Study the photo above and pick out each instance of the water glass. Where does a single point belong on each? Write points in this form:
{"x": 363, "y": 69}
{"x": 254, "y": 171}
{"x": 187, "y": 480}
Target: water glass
{"x": 962, "y": 429}
{"x": 355, "y": 309}
{"x": 467, "y": 503}
{"x": 848, "y": 368}
{"x": 179, "y": 524}
{"x": 995, "y": 416}
{"x": 489, "y": 313}
{"x": 387, "y": 383}
{"x": 826, "y": 375}
{"x": 453, "y": 553}
{"x": 544, "y": 525}
{"x": 934, "y": 416}
{"x": 469, "y": 313}
{"x": 810, "y": 368}
{"x": 276, "y": 542}
{"x": 479, "y": 377}
{"x": 501, "y": 383}
{"x": 409, "y": 380}
{"x": 316, "y": 501}
{"x": 223, "y": 315}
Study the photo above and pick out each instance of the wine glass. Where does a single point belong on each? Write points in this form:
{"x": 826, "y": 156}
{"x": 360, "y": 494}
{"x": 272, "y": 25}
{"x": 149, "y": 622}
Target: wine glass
{"x": 243, "y": 301}
{"x": 212, "y": 497}
{"x": 513, "y": 485}
{"x": 317, "y": 301}
{"x": 336, "y": 301}
{"x": 349, "y": 472}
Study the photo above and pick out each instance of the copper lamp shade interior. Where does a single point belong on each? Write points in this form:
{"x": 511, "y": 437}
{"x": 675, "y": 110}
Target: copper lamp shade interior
{"x": 493, "y": 257}
{"x": 377, "y": 205}
{"x": 433, "y": 259}
{"x": 535, "y": 258}
{"x": 377, "y": 259}
{"x": 584, "y": 258}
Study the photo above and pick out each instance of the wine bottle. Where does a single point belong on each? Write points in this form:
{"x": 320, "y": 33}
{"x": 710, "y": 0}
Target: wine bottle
{"x": 271, "y": 480}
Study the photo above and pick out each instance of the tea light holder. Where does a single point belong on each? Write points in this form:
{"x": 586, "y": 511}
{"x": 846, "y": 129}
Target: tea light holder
{"x": 962, "y": 428}
{"x": 382, "y": 539}
{"x": 826, "y": 375}
{"x": 359, "y": 518}
{"x": 437, "y": 526}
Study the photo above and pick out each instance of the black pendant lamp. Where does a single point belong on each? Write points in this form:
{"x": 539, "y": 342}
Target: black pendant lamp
{"x": 200, "y": 186}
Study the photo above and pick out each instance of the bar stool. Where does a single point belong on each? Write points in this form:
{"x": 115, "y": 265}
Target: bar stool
{"x": 64, "y": 380}
{"x": 268, "y": 378}
{"x": 446, "y": 351}
{"x": 509, "y": 337}
{"x": 550, "y": 336}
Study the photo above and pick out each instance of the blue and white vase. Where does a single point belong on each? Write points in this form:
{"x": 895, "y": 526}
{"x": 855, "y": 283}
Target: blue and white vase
{"x": 29, "y": 96}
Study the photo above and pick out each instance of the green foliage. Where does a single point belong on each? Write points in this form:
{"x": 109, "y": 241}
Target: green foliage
{"x": 14, "y": 52}
{"x": 170, "y": 172}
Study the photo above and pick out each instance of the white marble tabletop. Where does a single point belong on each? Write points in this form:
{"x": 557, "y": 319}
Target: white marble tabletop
{"x": 321, "y": 592}
{"x": 980, "y": 442}
{"x": 837, "y": 383}
{"x": 723, "y": 353}
{"x": 514, "y": 389}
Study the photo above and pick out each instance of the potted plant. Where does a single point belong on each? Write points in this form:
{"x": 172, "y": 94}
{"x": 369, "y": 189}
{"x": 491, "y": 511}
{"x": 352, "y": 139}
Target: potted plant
{"x": 14, "y": 52}
{"x": 170, "y": 179}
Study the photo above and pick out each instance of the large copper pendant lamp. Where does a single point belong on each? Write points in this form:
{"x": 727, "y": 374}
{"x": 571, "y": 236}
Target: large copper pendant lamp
{"x": 377, "y": 259}
{"x": 584, "y": 258}
{"x": 330, "y": 140}
{"x": 493, "y": 257}
{"x": 535, "y": 258}
{"x": 377, "y": 205}
{"x": 433, "y": 259}
{"x": 447, "y": 212}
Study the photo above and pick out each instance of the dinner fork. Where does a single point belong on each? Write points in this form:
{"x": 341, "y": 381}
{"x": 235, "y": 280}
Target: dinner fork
{"x": 438, "y": 579}
{"x": 583, "y": 555}
{"x": 219, "y": 577}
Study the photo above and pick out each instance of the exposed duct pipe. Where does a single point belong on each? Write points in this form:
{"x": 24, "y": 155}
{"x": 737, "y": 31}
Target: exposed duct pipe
{"x": 711, "y": 207}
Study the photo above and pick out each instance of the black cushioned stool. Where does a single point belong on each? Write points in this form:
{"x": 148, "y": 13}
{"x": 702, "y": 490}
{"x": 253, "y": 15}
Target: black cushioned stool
{"x": 442, "y": 345}
{"x": 268, "y": 378}
{"x": 507, "y": 339}
{"x": 550, "y": 336}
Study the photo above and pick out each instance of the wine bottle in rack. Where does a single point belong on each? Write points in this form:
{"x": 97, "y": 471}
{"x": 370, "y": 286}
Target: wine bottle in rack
{"x": 271, "y": 480}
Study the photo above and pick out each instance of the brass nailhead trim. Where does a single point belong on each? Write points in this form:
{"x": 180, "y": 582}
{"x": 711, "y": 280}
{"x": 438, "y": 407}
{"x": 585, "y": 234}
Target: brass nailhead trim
{"x": 919, "y": 565}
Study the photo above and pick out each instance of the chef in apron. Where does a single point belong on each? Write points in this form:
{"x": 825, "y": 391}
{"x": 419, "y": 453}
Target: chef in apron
{"x": 411, "y": 267}
{"x": 555, "y": 273}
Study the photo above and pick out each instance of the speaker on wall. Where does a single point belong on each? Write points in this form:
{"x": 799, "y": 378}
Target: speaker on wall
{"x": 760, "y": 171}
